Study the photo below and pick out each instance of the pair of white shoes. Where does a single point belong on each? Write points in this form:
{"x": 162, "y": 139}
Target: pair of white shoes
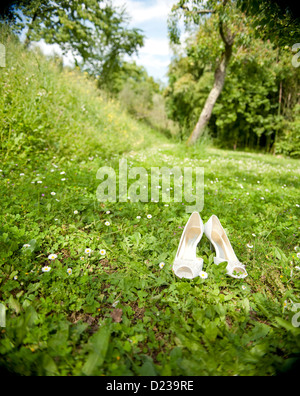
{"x": 187, "y": 265}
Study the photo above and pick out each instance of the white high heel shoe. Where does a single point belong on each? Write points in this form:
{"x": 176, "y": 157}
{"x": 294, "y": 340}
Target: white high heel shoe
{"x": 224, "y": 251}
{"x": 186, "y": 264}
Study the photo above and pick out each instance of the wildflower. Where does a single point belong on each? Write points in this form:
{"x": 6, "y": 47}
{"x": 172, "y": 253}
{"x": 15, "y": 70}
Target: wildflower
{"x": 149, "y": 216}
{"x": 161, "y": 265}
{"x": 108, "y": 212}
{"x": 254, "y": 235}
{"x": 81, "y": 258}
{"x": 75, "y": 211}
{"x": 166, "y": 205}
{"x": 138, "y": 217}
{"x": 249, "y": 246}
{"x": 22, "y": 174}
{"x": 297, "y": 267}
{"x": 115, "y": 304}
{"x": 107, "y": 223}
{"x": 69, "y": 271}
{"x": 298, "y": 206}
{"x": 62, "y": 173}
{"x": 88, "y": 251}
{"x": 15, "y": 277}
{"x": 203, "y": 275}
{"x": 26, "y": 245}
{"x": 52, "y": 256}
{"x": 244, "y": 287}
{"x": 103, "y": 252}
{"x": 39, "y": 182}
{"x": 298, "y": 255}
{"x": 53, "y": 193}
{"x": 63, "y": 179}
{"x": 262, "y": 198}
{"x": 46, "y": 269}
{"x": 296, "y": 248}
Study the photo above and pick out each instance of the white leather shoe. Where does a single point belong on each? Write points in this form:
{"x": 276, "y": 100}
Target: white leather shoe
{"x": 224, "y": 251}
{"x": 186, "y": 264}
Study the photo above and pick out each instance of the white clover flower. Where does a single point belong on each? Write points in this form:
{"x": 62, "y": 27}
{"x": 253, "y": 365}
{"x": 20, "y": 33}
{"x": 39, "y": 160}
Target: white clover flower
{"x": 149, "y": 216}
{"x": 203, "y": 275}
{"x": 161, "y": 265}
{"x": 88, "y": 251}
{"x": 52, "y": 256}
{"x": 46, "y": 269}
{"x": 249, "y": 246}
{"x": 103, "y": 252}
{"x": 107, "y": 223}
{"x": 69, "y": 271}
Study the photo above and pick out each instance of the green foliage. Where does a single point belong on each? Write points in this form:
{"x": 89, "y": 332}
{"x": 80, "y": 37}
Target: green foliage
{"x": 274, "y": 20}
{"x": 289, "y": 141}
{"x": 255, "y": 108}
{"x": 95, "y": 32}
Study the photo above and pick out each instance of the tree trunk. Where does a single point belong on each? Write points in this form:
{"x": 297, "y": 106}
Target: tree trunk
{"x": 220, "y": 75}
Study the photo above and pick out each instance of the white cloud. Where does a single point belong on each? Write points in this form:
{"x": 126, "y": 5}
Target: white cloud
{"x": 140, "y": 12}
{"x": 156, "y": 47}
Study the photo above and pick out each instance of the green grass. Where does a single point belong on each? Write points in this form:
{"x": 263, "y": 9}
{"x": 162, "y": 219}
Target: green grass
{"x": 121, "y": 314}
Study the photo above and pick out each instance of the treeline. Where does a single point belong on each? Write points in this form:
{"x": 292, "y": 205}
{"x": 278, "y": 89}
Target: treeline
{"x": 237, "y": 78}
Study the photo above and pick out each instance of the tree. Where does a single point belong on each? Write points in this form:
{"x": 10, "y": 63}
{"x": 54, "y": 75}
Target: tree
{"x": 277, "y": 20}
{"x": 92, "y": 30}
{"x": 228, "y": 27}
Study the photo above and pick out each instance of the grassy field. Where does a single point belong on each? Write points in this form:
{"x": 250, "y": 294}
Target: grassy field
{"x": 113, "y": 309}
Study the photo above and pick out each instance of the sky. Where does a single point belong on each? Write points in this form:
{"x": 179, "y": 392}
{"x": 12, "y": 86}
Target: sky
{"x": 151, "y": 17}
